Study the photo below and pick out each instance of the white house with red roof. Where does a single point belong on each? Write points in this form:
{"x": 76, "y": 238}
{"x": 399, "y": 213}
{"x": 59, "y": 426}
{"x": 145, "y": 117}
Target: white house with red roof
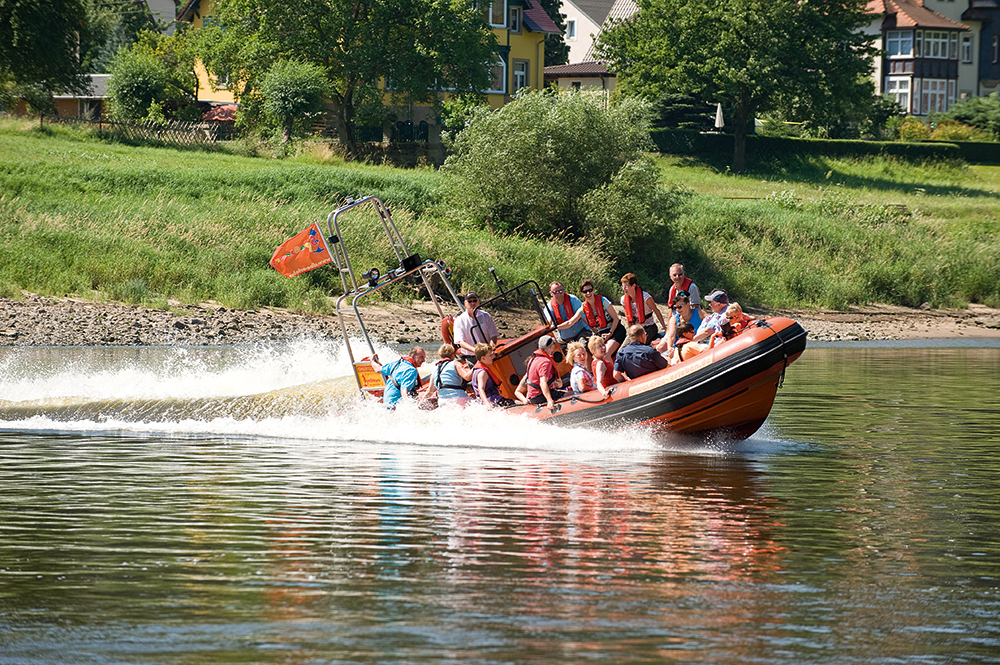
{"x": 929, "y": 59}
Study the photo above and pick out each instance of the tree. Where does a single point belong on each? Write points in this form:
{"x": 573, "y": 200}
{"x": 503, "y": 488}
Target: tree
{"x": 753, "y": 56}
{"x": 153, "y": 78}
{"x": 39, "y": 43}
{"x": 418, "y": 48}
{"x": 114, "y": 24}
{"x": 556, "y": 49}
{"x": 559, "y": 164}
{"x": 292, "y": 92}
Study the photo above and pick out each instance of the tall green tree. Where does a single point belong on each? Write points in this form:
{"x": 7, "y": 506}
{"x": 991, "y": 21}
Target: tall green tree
{"x": 292, "y": 93}
{"x": 154, "y": 78}
{"x": 419, "y": 47}
{"x": 754, "y": 56}
{"x": 556, "y": 49}
{"x": 39, "y": 43}
{"x": 114, "y": 24}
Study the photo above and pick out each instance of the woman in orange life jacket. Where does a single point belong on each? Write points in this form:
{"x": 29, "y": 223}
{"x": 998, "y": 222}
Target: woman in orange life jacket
{"x": 486, "y": 380}
{"x": 600, "y": 316}
{"x": 601, "y": 366}
{"x": 640, "y": 307}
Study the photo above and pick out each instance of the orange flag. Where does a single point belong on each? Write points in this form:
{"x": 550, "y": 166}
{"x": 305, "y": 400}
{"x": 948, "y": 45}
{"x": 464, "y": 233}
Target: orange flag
{"x": 302, "y": 253}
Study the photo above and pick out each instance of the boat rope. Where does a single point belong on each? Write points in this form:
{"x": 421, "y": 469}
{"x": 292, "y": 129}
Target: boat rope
{"x": 761, "y": 323}
{"x": 577, "y": 398}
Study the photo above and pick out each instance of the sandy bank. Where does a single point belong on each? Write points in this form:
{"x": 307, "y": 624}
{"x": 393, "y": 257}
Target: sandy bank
{"x": 43, "y": 321}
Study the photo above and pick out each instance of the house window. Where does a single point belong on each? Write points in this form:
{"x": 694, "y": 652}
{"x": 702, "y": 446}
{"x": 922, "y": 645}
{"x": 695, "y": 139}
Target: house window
{"x": 494, "y": 12}
{"x": 515, "y": 19}
{"x": 520, "y": 74}
{"x": 967, "y": 48}
{"x": 933, "y": 96}
{"x": 576, "y": 85}
{"x": 571, "y": 31}
{"x": 953, "y": 46}
{"x": 498, "y": 84}
{"x": 934, "y": 44}
{"x": 899, "y": 89}
{"x": 996, "y": 49}
{"x": 899, "y": 43}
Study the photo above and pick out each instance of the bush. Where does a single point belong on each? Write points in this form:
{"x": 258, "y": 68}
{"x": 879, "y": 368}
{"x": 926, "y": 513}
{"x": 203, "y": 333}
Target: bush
{"x": 151, "y": 78}
{"x": 949, "y": 130}
{"x": 983, "y": 113}
{"x": 293, "y": 94}
{"x": 913, "y": 130}
{"x": 529, "y": 166}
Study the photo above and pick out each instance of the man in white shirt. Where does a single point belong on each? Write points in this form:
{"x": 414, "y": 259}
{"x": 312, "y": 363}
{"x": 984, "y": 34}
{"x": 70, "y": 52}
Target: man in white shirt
{"x": 473, "y": 327}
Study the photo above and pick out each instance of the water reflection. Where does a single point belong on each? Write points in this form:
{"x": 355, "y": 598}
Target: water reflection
{"x": 862, "y": 524}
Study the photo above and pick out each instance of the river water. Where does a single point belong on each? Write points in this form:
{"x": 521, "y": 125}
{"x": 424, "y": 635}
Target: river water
{"x": 151, "y": 512}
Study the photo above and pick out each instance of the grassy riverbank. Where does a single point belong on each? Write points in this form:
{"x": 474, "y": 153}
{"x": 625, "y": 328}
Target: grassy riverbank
{"x": 81, "y": 216}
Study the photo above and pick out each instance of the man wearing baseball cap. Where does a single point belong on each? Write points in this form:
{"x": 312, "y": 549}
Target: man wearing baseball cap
{"x": 718, "y": 301}
{"x": 541, "y": 381}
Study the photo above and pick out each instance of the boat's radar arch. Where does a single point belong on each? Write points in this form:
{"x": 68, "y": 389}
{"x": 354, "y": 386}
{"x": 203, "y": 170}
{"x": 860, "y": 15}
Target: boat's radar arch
{"x": 358, "y": 285}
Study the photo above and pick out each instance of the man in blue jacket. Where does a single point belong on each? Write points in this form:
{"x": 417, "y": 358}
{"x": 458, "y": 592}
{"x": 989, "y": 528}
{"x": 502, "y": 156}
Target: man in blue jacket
{"x": 637, "y": 358}
{"x": 401, "y": 377}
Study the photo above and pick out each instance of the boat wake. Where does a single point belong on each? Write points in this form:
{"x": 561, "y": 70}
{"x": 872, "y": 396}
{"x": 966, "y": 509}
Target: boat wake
{"x": 303, "y": 391}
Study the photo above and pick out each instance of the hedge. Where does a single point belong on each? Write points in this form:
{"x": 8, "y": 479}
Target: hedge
{"x": 693, "y": 142}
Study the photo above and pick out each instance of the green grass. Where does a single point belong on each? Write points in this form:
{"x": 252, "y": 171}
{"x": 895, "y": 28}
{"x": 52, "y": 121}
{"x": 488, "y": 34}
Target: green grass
{"x": 82, "y": 216}
{"x": 836, "y": 232}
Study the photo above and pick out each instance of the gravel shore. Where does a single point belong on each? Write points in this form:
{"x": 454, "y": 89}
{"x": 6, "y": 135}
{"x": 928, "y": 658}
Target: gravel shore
{"x": 44, "y": 321}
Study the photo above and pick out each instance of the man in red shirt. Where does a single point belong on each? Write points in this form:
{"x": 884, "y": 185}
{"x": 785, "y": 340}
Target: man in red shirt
{"x": 542, "y": 378}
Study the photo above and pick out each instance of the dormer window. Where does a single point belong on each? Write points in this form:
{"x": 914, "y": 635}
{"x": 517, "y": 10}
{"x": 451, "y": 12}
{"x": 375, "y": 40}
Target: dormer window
{"x": 515, "y": 19}
{"x": 494, "y": 12}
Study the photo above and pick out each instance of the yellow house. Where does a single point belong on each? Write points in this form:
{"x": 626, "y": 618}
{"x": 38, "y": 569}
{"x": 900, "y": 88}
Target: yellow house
{"x": 520, "y": 28}
{"x": 194, "y": 12}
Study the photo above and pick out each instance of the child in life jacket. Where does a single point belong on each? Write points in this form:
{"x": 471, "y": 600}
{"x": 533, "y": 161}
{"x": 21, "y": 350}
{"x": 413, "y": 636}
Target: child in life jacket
{"x": 580, "y": 378}
{"x": 685, "y": 347}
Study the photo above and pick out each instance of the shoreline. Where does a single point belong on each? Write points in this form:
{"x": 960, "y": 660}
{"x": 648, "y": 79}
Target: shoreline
{"x": 35, "y": 321}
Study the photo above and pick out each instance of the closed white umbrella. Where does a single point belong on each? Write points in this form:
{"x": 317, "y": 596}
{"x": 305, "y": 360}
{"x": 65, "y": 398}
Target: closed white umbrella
{"x": 719, "y": 122}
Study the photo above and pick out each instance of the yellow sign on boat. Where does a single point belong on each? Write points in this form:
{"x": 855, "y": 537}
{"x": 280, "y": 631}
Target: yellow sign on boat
{"x": 368, "y": 378}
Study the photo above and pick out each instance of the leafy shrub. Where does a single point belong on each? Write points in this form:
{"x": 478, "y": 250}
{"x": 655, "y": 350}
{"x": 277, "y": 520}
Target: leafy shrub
{"x": 150, "y": 77}
{"x": 949, "y": 130}
{"x": 528, "y": 166}
{"x": 983, "y": 113}
{"x": 913, "y": 130}
{"x": 293, "y": 92}
{"x": 632, "y": 206}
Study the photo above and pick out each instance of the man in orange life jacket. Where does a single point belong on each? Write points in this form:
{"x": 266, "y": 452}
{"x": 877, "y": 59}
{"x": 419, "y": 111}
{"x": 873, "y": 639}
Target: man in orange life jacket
{"x": 401, "y": 377}
{"x": 682, "y": 284}
{"x": 560, "y": 310}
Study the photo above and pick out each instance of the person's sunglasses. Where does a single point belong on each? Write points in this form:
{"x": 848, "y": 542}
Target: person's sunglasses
{"x": 586, "y": 291}
{"x": 472, "y": 300}
{"x": 556, "y": 292}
